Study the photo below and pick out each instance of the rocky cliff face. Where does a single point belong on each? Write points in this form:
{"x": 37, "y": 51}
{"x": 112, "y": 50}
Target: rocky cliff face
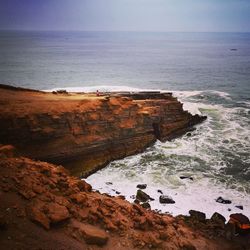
{"x": 43, "y": 207}
{"x": 86, "y": 131}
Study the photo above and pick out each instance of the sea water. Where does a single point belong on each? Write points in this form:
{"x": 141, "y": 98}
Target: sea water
{"x": 208, "y": 72}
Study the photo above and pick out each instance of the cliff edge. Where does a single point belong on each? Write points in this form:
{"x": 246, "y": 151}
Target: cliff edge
{"x": 85, "y": 131}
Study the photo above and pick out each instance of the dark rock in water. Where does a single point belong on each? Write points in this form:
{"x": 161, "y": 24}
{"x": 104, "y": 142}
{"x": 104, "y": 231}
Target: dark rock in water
{"x": 164, "y": 199}
{"x": 136, "y": 201}
{"x": 223, "y": 201}
{"x": 141, "y": 186}
{"x": 109, "y": 183}
{"x": 117, "y": 192}
{"x": 132, "y": 196}
{"x": 146, "y": 205}
{"x": 186, "y": 177}
{"x": 159, "y": 191}
{"x": 225, "y": 141}
{"x": 188, "y": 134}
{"x": 197, "y": 215}
{"x": 142, "y": 196}
{"x": 218, "y": 218}
{"x": 240, "y": 207}
{"x": 229, "y": 209}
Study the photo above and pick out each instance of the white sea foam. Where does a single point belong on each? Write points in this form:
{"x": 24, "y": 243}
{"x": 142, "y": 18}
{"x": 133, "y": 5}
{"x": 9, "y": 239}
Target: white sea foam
{"x": 218, "y": 143}
{"x": 201, "y": 156}
{"x": 200, "y": 194}
{"x": 186, "y": 94}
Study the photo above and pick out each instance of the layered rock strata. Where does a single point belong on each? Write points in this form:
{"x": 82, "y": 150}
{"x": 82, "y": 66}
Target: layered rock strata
{"x": 85, "y": 131}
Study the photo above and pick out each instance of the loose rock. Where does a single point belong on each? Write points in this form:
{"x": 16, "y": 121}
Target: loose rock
{"x": 57, "y": 213}
{"x": 146, "y": 205}
{"x": 164, "y": 199}
{"x": 91, "y": 234}
{"x": 142, "y": 186}
{"x": 108, "y": 183}
{"x": 197, "y": 215}
{"x": 240, "y": 207}
{"x": 218, "y": 218}
{"x": 223, "y": 201}
{"x": 186, "y": 177}
{"x": 142, "y": 196}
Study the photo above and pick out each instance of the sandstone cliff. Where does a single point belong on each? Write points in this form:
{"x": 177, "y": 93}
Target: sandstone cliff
{"x": 43, "y": 207}
{"x": 85, "y": 132}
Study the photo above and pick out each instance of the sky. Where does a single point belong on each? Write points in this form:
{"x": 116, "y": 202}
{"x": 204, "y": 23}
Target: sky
{"x": 126, "y": 15}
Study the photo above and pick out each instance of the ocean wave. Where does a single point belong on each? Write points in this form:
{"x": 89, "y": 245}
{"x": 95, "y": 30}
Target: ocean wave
{"x": 216, "y": 156}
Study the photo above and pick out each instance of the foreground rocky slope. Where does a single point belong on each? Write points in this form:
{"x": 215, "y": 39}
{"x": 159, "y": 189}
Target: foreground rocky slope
{"x": 43, "y": 207}
{"x": 88, "y": 131}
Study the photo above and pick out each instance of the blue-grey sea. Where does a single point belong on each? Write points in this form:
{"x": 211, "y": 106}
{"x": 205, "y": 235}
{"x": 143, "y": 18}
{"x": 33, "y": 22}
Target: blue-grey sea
{"x": 209, "y": 72}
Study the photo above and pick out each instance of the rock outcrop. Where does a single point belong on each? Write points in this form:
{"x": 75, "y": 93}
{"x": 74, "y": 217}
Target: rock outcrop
{"x": 85, "y": 131}
{"x": 43, "y": 207}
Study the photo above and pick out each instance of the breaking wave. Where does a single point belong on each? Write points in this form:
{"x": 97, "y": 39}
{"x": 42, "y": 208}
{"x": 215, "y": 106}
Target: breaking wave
{"x": 215, "y": 158}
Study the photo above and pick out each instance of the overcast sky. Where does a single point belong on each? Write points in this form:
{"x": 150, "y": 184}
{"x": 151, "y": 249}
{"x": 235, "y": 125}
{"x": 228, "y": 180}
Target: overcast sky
{"x": 126, "y": 15}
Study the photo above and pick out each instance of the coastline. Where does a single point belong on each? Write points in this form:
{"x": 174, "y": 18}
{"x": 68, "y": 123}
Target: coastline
{"x": 82, "y": 212}
{"x": 76, "y": 128}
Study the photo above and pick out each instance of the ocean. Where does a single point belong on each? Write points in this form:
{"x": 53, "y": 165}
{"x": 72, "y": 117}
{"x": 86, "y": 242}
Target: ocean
{"x": 208, "y": 72}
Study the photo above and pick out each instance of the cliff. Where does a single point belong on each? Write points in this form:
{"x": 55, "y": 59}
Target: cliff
{"x": 44, "y": 207}
{"x": 85, "y": 131}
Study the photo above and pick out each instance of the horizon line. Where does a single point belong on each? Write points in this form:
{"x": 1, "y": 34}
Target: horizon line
{"x": 132, "y": 31}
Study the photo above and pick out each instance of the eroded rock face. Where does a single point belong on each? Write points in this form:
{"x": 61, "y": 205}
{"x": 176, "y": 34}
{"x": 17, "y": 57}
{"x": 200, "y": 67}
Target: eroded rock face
{"x": 77, "y": 128}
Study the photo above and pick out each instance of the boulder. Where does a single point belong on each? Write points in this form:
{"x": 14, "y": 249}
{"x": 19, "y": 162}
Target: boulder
{"x": 78, "y": 198}
{"x": 91, "y": 234}
{"x": 223, "y": 201}
{"x": 239, "y": 206}
{"x": 186, "y": 177}
{"x": 146, "y": 205}
{"x": 36, "y": 213}
{"x": 164, "y": 199}
{"x": 197, "y": 215}
{"x": 141, "y": 186}
{"x": 142, "y": 196}
{"x": 240, "y": 223}
{"x": 57, "y": 213}
{"x": 218, "y": 218}
{"x": 241, "y": 218}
